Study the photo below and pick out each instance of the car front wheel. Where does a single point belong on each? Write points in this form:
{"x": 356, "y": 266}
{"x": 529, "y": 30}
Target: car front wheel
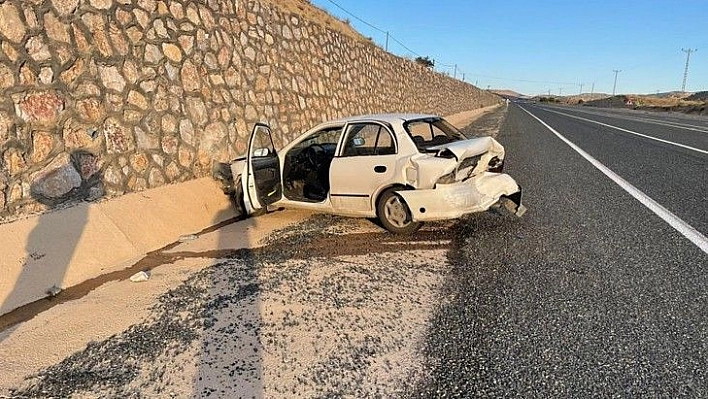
{"x": 394, "y": 214}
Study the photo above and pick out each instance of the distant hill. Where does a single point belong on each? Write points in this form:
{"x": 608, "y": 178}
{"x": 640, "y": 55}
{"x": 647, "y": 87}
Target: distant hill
{"x": 610, "y": 102}
{"x": 668, "y": 94}
{"x": 584, "y": 97}
{"x": 696, "y": 103}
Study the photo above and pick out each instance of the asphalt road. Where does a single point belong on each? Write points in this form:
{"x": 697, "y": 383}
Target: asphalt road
{"x": 591, "y": 294}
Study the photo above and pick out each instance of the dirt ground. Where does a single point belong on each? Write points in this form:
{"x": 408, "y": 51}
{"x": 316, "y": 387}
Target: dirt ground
{"x": 333, "y": 306}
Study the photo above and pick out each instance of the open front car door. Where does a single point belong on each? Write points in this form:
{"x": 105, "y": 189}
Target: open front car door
{"x": 263, "y": 179}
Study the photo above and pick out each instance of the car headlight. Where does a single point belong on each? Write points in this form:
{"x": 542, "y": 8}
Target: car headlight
{"x": 447, "y": 179}
{"x": 470, "y": 162}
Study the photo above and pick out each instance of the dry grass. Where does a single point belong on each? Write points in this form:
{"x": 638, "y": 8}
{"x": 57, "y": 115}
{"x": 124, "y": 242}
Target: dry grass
{"x": 637, "y": 99}
{"x": 317, "y": 15}
{"x": 651, "y": 101}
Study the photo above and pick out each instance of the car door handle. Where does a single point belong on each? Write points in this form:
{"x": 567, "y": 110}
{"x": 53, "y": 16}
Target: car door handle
{"x": 380, "y": 169}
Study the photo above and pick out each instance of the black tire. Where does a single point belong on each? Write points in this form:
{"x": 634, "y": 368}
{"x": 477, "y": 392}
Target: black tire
{"x": 240, "y": 204}
{"x": 238, "y": 198}
{"x": 394, "y": 214}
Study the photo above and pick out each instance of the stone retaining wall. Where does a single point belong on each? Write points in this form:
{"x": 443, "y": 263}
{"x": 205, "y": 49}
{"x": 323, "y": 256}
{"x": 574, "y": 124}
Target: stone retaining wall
{"x": 103, "y": 97}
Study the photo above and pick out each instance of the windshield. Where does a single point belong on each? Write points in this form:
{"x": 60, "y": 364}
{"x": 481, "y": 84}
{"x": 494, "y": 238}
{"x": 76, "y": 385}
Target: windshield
{"x": 432, "y": 132}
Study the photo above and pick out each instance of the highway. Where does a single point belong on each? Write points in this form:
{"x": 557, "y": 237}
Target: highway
{"x": 594, "y": 293}
{"x": 665, "y": 159}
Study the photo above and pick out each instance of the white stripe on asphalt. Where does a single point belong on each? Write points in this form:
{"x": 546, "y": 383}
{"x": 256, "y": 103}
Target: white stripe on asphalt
{"x": 679, "y": 125}
{"x": 674, "y": 221}
{"x": 630, "y": 132}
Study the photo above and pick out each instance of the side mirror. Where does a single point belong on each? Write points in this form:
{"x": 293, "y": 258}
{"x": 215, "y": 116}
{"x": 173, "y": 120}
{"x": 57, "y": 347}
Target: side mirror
{"x": 358, "y": 141}
{"x": 261, "y": 152}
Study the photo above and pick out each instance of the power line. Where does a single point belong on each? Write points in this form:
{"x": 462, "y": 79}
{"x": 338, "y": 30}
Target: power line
{"x": 357, "y": 18}
{"x": 522, "y": 80}
{"x": 387, "y": 33}
{"x": 404, "y": 46}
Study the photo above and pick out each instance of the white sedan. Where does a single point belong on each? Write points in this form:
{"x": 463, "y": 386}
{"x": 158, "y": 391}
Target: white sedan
{"x": 401, "y": 168}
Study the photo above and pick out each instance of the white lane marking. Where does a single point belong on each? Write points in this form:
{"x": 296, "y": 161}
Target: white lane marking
{"x": 675, "y": 124}
{"x": 630, "y": 132}
{"x": 674, "y": 221}
{"x": 684, "y": 126}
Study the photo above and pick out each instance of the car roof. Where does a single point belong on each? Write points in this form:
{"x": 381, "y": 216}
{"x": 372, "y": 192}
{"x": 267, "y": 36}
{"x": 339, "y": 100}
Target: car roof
{"x": 388, "y": 118}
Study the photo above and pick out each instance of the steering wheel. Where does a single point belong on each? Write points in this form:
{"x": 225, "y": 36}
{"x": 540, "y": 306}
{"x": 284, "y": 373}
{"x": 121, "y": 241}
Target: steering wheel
{"x": 314, "y": 154}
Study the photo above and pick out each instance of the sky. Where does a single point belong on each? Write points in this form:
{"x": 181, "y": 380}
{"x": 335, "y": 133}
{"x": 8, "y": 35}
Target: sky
{"x": 533, "y": 46}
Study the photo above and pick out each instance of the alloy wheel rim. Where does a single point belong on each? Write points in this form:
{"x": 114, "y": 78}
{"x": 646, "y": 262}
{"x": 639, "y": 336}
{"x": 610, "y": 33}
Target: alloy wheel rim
{"x": 396, "y": 212}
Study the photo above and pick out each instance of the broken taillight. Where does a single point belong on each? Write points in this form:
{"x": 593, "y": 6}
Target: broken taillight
{"x": 496, "y": 165}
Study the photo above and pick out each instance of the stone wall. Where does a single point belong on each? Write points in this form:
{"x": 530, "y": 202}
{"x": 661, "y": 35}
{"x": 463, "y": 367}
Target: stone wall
{"x": 103, "y": 97}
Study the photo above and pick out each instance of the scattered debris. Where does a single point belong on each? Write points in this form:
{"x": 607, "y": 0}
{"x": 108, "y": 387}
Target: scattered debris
{"x": 188, "y": 237}
{"x": 54, "y": 291}
{"x": 141, "y": 276}
{"x": 36, "y": 256}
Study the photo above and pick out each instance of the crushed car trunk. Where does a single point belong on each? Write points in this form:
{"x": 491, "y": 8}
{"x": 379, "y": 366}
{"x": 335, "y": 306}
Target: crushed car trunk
{"x": 448, "y": 201}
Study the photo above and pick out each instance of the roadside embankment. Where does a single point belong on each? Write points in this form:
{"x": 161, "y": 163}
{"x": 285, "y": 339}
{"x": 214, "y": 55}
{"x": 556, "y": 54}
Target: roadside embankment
{"x": 66, "y": 247}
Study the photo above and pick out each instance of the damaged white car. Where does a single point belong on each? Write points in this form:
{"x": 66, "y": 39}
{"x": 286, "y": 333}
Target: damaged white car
{"x": 403, "y": 169}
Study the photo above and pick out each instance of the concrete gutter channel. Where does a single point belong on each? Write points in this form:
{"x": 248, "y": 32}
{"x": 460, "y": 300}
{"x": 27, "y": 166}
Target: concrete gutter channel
{"x": 68, "y": 247}
{"x": 91, "y": 245}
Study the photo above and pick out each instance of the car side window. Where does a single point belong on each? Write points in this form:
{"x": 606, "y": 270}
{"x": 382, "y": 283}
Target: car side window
{"x": 364, "y": 139}
{"x": 327, "y": 138}
{"x": 262, "y": 144}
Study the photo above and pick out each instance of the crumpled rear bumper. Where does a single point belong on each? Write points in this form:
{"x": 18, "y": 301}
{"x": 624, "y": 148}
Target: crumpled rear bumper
{"x": 451, "y": 201}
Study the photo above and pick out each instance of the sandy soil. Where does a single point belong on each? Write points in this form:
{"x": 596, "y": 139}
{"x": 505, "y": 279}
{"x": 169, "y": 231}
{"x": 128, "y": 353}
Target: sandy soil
{"x": 333, "y": 306}
{"x": 464, "y": 119}
{"x": 116, "y": 305}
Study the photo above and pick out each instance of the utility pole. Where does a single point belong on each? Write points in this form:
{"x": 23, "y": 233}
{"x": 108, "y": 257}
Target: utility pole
{"x": 463, "y": 76}
{"x": 581, "y": 88}
{"x": 386, "y": 40}
{"x": 454, "y": 74}
{"x": 593, "y": 88}
{"x": 549, "y": 92}
{"x": 560, "y": 91}
{"x": 614, "y": 88}
{"x": 685, "y": 72}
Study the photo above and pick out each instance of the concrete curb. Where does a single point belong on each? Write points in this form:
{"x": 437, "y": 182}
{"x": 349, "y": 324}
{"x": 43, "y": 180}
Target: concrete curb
{"x": 67, "y": 247}
{"x": 464, "y": 119}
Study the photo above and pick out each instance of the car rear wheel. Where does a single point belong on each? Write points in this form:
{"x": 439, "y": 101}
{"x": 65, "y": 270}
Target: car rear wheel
{"x": 238, "y": 197}
{"x": 394, "y": 214}
{"x": 240, "y": 202}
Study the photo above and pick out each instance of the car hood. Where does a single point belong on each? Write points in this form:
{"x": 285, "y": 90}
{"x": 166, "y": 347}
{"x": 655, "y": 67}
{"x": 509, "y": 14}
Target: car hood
{"x": 469, "y": 148}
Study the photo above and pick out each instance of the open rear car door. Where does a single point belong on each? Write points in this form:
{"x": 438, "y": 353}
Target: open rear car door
{"x": 263, "y": 179}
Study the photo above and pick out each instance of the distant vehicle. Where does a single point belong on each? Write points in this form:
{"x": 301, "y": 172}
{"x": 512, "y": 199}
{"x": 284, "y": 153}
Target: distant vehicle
{"x": 404, "y": 169}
